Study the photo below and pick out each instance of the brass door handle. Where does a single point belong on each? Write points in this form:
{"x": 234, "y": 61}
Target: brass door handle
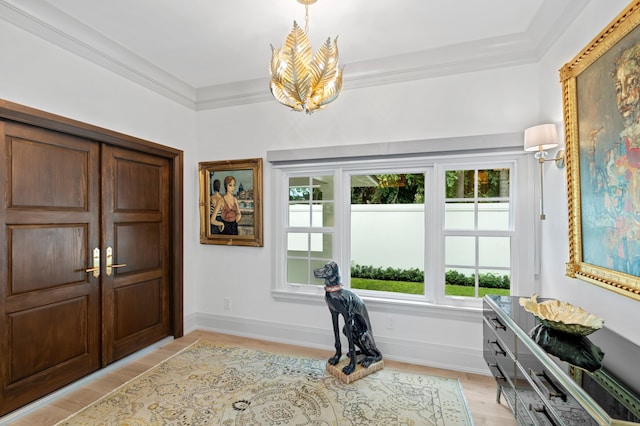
{"x": 121, "y": 265}
{"x": 96, "y": 263}
{"x": 110, "y": 264}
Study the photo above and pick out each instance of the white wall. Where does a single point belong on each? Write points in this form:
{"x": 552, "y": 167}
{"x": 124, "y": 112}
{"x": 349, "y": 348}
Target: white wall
{"x": 620, "y": 313}
{"x": 38, "y": 74}
{"x": 43, "y": 76}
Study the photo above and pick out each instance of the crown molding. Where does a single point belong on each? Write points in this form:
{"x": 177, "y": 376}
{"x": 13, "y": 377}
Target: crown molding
{"x": 468, "y": 57}
{"x": 47, "y": 22}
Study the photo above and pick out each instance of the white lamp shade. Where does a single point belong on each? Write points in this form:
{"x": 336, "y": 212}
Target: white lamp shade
{"x": 541, "y": 137}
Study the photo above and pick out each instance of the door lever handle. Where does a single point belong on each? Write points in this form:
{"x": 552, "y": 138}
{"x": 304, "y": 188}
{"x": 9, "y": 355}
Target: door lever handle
{"x": 110, "y": 264}
{"x": 96, "y": 263}
{"x": 120, "y": 265}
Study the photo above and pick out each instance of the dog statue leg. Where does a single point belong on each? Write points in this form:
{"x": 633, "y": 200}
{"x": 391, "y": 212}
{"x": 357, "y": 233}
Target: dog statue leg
{"x": 374, "y": 356}
{"x": 336, "y": 335}
{"x": 348, "y": 330}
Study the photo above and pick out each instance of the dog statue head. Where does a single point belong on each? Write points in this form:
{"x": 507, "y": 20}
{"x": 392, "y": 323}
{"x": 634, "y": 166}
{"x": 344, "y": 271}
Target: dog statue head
{"x": 331, "y": 274}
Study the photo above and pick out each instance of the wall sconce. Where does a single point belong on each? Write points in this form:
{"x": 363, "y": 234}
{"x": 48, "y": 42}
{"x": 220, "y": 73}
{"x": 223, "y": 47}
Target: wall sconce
{"x": 539, "y": 138}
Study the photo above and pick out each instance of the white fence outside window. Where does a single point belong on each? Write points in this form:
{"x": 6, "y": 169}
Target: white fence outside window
{"x": 392, "y": 235}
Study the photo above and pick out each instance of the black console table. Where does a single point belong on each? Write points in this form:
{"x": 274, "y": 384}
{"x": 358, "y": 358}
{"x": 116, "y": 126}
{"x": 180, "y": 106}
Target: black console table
{"x": 549, "y": 378}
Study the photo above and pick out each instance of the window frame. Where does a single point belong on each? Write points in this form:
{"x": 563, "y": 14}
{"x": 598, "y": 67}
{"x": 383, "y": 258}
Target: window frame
{"x": 310, "y": 229}
{"x": 523, "y": 227}
{"x": 389, "y": 167}
{"x": 439, "y": 296}
{"x": 281, "y": 225}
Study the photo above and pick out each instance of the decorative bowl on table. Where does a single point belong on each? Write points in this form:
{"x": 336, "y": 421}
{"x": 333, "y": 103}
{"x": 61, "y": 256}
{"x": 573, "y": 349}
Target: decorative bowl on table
{"x": 562, "y": 316}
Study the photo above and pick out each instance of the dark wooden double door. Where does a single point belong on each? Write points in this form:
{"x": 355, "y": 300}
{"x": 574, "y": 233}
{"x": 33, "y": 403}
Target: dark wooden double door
{"x": 84, "y": 258}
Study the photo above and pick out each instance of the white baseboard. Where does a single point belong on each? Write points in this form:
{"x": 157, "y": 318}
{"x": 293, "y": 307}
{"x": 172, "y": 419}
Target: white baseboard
{"x": 429, "y": 354}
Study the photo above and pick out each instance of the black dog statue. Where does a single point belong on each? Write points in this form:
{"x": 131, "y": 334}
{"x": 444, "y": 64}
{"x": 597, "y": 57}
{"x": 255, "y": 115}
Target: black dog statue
{"x": 357, "y": 327}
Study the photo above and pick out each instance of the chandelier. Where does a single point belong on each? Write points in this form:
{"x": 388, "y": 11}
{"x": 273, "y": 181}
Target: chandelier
{"x": 301, "y": 80}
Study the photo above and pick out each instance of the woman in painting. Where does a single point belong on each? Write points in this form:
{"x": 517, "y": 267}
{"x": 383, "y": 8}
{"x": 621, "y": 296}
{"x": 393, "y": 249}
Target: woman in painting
{"x": 227, "y": 210}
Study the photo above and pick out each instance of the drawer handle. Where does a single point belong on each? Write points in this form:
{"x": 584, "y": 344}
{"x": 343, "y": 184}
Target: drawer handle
{"x": 499, "y": 350}
{"x": 557, "y": 392}
{"x": 543, "y": 410}
{"x": 497, "y": 324}
{"x": 497, "y": 367}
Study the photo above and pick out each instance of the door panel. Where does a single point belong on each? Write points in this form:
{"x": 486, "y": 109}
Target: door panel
{"x": 139, "y": 244}
{"x": 49, "y": 223}
{"x": 127, "y": 299}
{"x": 62, "y": 328}
{"x": 149, "y": 179}
{"x": 136, "y": 226}
{"x": 66, "y": 245}
{"x": 46, "y": 184}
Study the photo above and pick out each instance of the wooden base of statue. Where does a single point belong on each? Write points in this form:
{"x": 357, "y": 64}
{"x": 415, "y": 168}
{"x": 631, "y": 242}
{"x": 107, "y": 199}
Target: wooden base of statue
{"x": 358, "y": 373}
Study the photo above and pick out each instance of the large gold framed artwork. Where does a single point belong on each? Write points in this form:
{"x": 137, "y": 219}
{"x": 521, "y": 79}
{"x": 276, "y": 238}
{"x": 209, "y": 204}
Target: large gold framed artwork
{"x": 231, "y": 202}
{"x": 601, "y": 102}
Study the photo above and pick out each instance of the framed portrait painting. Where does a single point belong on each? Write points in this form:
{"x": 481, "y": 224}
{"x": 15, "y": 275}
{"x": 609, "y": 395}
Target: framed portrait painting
{"x": 231, "y": 202}
{"x": 601, "y": 103}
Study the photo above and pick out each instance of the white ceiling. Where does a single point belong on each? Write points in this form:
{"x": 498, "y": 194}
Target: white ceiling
{"x": 212, "y": 53}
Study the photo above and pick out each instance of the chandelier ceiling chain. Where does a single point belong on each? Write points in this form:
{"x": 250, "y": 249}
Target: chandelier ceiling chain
{"x": 306, "y": 13}
{"x": 306, "y": 18}
{"x": 301, "y": 80}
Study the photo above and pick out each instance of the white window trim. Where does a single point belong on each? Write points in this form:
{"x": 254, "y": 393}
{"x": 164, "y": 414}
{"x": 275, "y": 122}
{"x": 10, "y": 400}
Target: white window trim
{"x": 501, "y": 147}
{"x": 518, "y": 214}
{"x": 388, "y": 167}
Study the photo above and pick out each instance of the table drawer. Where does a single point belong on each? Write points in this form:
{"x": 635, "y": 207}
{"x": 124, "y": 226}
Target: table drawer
{"x": 555, "y": 403}
{"x": 496, "y": 352}
{"x": 498, "y": 327}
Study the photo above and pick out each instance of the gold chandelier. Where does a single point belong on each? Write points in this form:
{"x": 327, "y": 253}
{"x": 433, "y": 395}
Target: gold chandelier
{"x": 301, "y": 80}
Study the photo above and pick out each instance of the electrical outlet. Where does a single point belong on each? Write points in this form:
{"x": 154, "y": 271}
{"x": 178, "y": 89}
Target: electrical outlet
{"x": 227, "y": 304}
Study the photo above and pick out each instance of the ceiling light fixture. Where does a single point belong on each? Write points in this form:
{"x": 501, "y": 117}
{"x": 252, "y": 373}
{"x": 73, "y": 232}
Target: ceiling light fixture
{"x": 301, "y": 80}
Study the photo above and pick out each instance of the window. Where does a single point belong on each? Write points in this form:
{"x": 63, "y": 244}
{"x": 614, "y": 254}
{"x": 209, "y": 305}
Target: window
{"x": 309, "y": 231}
{"x": 477, "y": 231}
{"x": 387, "y": 229}
{"x": 431, "y": 230}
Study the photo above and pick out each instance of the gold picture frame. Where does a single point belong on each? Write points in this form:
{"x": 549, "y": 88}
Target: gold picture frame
{"x": 601, "y": 105}
{"x": 231, "y": 202}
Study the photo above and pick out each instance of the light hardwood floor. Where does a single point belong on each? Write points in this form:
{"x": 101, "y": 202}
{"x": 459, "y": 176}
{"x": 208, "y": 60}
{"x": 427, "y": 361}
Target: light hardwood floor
{"x": 479, "y": 390}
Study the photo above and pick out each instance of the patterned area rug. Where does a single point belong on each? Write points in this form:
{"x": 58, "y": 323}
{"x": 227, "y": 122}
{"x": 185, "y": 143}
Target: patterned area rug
{"x": 209, "y": 384}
